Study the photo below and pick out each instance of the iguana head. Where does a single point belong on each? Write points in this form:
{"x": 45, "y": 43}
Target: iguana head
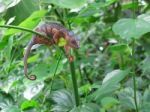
{"x": 72, "y": 41}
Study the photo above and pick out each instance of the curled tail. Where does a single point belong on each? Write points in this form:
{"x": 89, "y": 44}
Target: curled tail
{"x": 35, "y": 40}
{"x": 30, "y": 77}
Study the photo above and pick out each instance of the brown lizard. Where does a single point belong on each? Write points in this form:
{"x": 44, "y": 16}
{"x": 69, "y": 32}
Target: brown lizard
{"x": 55, "y": 31}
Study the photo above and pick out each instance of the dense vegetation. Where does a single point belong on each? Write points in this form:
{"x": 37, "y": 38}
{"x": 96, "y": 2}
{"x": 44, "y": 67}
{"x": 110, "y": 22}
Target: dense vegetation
{"x": 111, "y": 70}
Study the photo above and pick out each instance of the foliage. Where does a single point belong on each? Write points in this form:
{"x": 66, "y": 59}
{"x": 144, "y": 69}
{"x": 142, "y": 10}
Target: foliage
{"x": 112, "y": 65}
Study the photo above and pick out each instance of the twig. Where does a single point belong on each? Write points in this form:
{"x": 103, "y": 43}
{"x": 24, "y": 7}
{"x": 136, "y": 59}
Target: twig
{"x": 23, "y": 29}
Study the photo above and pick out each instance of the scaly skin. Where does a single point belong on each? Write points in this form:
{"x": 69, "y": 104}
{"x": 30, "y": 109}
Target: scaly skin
{"x": 55, "y": 31}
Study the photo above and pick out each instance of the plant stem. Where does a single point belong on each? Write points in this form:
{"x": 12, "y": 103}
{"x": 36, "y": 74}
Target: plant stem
{"x": 74, "y": 81}
{"x": 121, "y": 61}
{"x": 72, "y": 67}
{"x": 133, "y": 76}
{"x": 133, "y": 61}
{"x": 51, "y": 84}
{"x": 87, "y": 76}
{"x": 23, "y": 29}
{"x": 55, "y": 70}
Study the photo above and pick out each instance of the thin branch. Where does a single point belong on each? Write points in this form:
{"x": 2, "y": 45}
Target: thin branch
{"x": 87, "y": 76}
{"x": 24, "y": 29}
{"x": 51, "y": 85}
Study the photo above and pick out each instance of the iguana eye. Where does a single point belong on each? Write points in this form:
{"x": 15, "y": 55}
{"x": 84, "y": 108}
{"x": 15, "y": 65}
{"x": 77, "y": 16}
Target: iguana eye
{"x": 73, "y": 42}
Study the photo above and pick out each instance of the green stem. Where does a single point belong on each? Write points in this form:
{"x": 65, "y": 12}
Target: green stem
{"x": 23, "y": 29}
{"x": 51, "y": 85}
{"x": 55, "y": 71}
{"x": 81, "y": 75}
{"x": 74, "y": 81}
{"x": 87, "y": 76}
{"x": 121, "y": 61}
{"x": 133, "y": 76}
{"x": 72, "y": 67}
{"x": 133, "y": 61}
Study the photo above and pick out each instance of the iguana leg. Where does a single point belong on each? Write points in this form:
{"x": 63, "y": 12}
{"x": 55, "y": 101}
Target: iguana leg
{"x": 56, "y": 37}
{"x": 67, "y": 51}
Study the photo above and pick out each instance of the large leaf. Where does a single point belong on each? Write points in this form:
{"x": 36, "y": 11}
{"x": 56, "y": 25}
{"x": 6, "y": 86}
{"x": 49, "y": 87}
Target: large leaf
{"x": 145, "y": 17}
{"x": 11, "y": 109}
{"x": 146, "y": 96}
{"x": 22, "y": 10}
{"x": 30, "y": 23}
{"x": 145, "y": 107}
{"x": 120, "y": 48}
{"x": 115, "y": 76}
{"x": 64, "y": 101}
{"x": 108, "y": 102}
{"x": 90, "y": 10}
{"x": 131, "y": 28}
{"x": 145, "y": 66}
{"x": 32, "y": 90}
{"x": 43, "y": 70}
{"x": 110, "y": 84}
{"x": 126, "y": 98}
{"x": 89, "y": 107}
{"x": 7, "y": 85}
{"x": 71, "y": 4}
{"x": 5, "y": 4}
{"x": 7, "y": 103}
{"x": 103, "y": 91}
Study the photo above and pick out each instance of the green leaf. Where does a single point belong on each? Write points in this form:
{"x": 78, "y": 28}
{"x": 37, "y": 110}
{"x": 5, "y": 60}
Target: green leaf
{"x": 29, "y": 104}
{"x": 145, "y": 107}
{"x": 131, "y": 28}
{"x": 109, "y": 102}
{"x": 44, "y": 70}
{"x": 11, "y": 109}
{"x": 120, "y": 48}
{"x": 32, "y": 89}
{"x": 103, "y": 91}
{"x": 30, "y": 22}
{"x": 22, "y": 10}
{"x": 89, "y": 11}
{"x": 71, "y": 4}
{"x": 109, "y": 84}
{"x": 109, "y": 2}
{"x": 31, "y": 59}
{"x": 115, "y": 76}
{"x": 145, "y": 66}
{"x": 8, "y": 49}
{"x": 85, "y": 89}
{"x": 5, "y": 4}
{"x": 3, "y": 44}
{"x": 129, "y": 5}
{"x": 7, "y": 86}
{"x": 64, "y": 101}
{"x": 126, "y": 98}
{"x": 145, "y": 17}
{"x": 146, "y": 96}
{"x": 88, "y": 107}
